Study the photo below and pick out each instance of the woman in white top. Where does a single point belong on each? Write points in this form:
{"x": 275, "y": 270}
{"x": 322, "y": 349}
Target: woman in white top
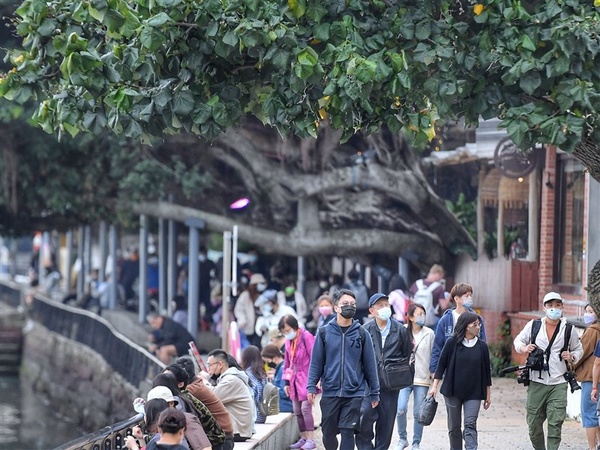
{"x": 422, "y": 340}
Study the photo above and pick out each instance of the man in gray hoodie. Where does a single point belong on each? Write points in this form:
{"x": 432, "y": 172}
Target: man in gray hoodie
{"x": 233, "y": 389}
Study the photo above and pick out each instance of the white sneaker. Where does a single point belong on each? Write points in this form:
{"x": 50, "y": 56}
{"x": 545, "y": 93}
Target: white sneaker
{"x": 402, "y": 444}
{"x": 416, "y": 447}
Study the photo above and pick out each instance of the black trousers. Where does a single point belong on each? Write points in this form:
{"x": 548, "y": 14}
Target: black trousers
{"x": 383, "y": 417}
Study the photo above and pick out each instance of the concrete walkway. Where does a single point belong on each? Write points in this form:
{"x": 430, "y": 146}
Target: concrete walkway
{"x": 501, "y": 427}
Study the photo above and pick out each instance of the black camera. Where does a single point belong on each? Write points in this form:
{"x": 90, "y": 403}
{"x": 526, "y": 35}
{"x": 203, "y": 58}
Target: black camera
{"x": 523, "y": 378}
{"x": 570, "y": 377}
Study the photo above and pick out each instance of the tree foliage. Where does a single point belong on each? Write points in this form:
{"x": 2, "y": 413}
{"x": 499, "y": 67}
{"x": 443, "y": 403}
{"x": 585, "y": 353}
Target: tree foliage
{"x": 147, "y": 69}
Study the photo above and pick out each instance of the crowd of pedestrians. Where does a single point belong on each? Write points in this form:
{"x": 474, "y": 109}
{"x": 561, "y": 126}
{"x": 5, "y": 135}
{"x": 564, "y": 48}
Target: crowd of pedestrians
{"x": 360, "y": 358}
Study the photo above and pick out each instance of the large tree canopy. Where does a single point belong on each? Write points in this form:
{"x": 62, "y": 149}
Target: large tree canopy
{"x": 153, "y": 68}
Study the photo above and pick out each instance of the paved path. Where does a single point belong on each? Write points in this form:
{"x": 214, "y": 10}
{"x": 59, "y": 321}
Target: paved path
{"x": 501, "y": 427}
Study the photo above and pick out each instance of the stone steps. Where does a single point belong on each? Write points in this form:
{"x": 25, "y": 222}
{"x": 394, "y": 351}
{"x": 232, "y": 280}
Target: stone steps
{"x": 11, "y": 349}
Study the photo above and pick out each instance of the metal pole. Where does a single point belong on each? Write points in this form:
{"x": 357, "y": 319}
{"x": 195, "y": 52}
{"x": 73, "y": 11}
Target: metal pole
{"x": 226, "y": 289}
{"x": 300, "y": 285}
{"x": 143, "y": 297}
{"x": 234, "y": 260}
{"x": 102, "y": 232}
{"x": 162, "y": 266}
{"x": 193, "y": 289}
{"x": 41, "y": 267}
{"x": 112, "y": 248}
{"x": 403, "y": 268}
{"x": 81, "y": 271}
{"x": 87, "y": 250}
{"x": 69, "y": 264}
{"x": 172, "y": 265}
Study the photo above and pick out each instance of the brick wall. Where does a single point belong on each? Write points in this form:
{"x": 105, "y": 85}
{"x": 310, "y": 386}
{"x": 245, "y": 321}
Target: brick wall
{"x": 547, "y": 220}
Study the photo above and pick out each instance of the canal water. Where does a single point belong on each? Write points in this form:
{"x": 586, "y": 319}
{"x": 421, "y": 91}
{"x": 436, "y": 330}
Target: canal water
{"x": 28, "y": 422}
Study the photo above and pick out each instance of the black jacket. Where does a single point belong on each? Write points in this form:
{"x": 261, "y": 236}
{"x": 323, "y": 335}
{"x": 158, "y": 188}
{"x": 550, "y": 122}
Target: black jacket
{"x": 397, "y": 343}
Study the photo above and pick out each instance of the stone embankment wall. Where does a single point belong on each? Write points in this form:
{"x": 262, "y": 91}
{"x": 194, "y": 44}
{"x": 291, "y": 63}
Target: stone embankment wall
{"x": 75, "y": 379}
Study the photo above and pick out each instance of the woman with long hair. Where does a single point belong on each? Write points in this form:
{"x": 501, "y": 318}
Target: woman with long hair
{"x": 583, "y": 371}
{"x": 152, "y": 410}
{"x": 298, "y": 351}
{"x": 422, "y": 343}
{"x": 254, "y": 366}
{"x": 465, "y": 366}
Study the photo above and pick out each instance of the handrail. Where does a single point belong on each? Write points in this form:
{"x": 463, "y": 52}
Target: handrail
{"x": 110, "y": 437}
{"x": 126, "y": 357}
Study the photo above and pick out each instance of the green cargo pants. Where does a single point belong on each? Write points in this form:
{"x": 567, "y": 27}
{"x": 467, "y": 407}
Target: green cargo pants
{"x": 546, "y": 402}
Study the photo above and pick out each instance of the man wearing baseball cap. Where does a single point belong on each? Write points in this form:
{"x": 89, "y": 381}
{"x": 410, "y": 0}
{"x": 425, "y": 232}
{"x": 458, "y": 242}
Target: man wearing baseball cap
{"x": 547, "y": 390}
{"x": 391, "y": 342}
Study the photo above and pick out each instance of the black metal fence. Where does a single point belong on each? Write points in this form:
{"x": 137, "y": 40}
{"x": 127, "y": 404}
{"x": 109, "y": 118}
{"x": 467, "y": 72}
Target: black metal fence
{"x": 124, "y": 356}
{"x": 9, "y": 294}
{"x": 108, "y": 438}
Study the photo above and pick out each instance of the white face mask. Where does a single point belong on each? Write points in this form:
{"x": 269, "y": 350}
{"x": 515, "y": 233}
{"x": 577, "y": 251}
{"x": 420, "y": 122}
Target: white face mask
{"x": 553, "y": 313}
{"x": 385, "y": 313}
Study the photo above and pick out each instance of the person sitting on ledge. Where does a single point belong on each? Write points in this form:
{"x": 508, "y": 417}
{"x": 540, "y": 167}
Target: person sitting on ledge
{"x": 168, "y": 339}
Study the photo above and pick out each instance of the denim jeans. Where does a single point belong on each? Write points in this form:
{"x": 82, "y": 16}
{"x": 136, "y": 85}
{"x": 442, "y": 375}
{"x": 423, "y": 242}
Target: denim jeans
{"x": 420, "y": 392}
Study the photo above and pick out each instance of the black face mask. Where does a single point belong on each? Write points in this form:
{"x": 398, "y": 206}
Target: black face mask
{"x": 215, "y": 376}
{"x": 348, "y": 311}
{"x": 272, "y": 365}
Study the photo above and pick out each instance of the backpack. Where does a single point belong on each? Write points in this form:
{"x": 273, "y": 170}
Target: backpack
{"x": 424, "y": 296}
{"x": 400, "y": 302}
{"x": 269, "y": 404}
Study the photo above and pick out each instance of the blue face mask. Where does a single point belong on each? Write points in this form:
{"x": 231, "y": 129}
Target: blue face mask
{"x": 589, "y": 318}
{"x": 420, "y": 320}
{"x": 290, "y": 336}
{"x": 468, "y": 302}
{"x": 553, "y": 313}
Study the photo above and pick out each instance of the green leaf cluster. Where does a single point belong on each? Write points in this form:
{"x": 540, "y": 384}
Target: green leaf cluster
{"x": 147, "y": 69}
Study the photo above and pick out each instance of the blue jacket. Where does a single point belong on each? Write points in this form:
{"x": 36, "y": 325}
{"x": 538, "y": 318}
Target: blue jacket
{"x": 443, "y": 331}
{"x": 345, "y": 365}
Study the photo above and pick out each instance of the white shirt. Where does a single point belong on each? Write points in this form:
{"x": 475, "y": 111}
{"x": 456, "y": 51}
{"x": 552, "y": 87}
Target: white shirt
{"x": 556, "y": 365}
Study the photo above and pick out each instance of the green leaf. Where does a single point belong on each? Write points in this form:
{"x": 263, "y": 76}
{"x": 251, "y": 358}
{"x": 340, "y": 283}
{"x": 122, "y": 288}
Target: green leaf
{"x": 151, "y": 38}
{"x": 530, "y": 82}
{"x": 203, "y": 112}
{"x": 423, "y": 30}
{"x": 308, "y": 57}
{"x": 366, "y": 71}
{"x": 230, "y": 38}
{"x": 220, "y": 115}
{"x": 183, "y": 103}
{"x": 298, "y": 7}
{"x": 158, "y": 20}
{"x": 321, "y": 32}
{"x": 527, "y": 43}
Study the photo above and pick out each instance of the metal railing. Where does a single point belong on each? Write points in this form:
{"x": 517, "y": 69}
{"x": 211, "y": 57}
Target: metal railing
{"x": 126, "y": 357}
{"x": 108, "y": 438}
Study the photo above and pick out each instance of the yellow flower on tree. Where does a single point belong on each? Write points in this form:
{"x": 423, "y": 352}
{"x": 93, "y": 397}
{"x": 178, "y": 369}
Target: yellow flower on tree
{"x": 478, "y": 8}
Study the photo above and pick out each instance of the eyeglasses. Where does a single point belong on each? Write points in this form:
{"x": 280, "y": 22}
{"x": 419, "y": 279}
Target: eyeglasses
{"x": 213, "y": 363}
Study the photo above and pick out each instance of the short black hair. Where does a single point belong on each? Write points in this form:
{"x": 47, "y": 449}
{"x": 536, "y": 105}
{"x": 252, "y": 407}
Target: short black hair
{"x": 340, "y": 292}
{"x": 179, "y": 372}
{"x": 188, "y": 365}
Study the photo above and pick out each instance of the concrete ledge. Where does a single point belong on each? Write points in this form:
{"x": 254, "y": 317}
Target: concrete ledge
{"x": 278, "y": 433}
